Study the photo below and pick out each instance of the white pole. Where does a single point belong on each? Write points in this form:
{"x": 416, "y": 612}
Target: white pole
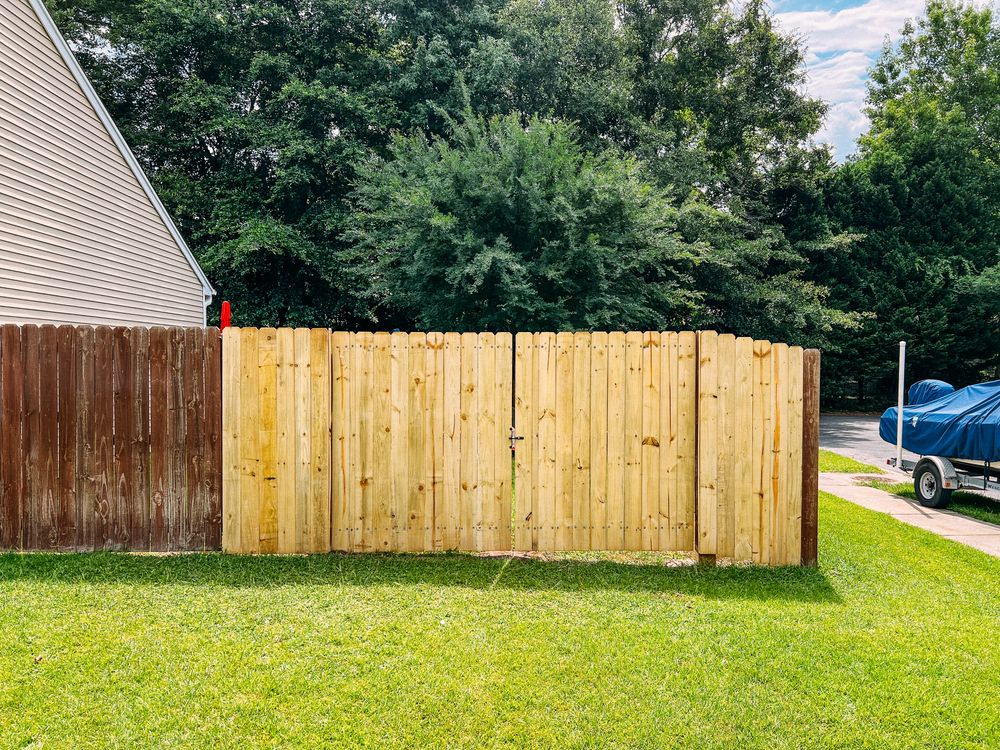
{"x": 899, "y": 406}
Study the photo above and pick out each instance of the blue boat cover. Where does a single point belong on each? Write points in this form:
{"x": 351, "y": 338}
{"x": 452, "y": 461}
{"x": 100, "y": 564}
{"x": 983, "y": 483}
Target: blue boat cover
{"x": 964, "y": 424}
{"x": 927, "y": 390}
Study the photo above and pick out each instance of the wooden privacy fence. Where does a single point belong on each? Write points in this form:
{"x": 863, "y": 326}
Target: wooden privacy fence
{"x": 638, "y": 441}
{"x": 110, "y": 438}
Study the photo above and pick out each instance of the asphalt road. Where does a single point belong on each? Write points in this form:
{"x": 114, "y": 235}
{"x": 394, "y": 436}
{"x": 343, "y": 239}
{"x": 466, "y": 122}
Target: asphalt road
{"x": 856, "y": 437}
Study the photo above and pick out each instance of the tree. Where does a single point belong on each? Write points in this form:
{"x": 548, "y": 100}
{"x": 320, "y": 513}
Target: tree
{"x": 513, "y": 226}
{"x": 925, "y": 193}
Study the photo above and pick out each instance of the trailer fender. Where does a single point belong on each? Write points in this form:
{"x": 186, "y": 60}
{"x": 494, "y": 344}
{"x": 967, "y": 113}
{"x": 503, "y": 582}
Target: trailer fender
{"x": 949, "y": 477}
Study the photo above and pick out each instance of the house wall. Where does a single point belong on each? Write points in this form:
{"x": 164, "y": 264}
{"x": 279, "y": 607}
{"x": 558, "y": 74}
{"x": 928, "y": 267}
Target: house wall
{"x": 80, "y": 240}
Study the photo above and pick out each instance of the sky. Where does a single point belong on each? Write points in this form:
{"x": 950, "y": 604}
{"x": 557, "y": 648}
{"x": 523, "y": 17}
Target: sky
{"x": 842, "y": 38}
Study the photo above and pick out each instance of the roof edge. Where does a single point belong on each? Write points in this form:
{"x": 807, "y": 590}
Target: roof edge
{"x": 102, "y": 113}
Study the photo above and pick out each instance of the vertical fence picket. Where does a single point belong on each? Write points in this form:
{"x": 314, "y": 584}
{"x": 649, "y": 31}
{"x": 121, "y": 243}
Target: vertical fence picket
{"x": 743, "y": 497}
{"x": 85, "y": 485}
{"x": 616, "y": 441}
{"x": 232, "y": 507}
{"x": 139, "y": 515}
{"x": 524, "y": 450}
{"x": 598, "y": 475}
{"x": 212, "y": 438}
{"x": 12, "y": 486}
{"x": 434, "y": 439}
{"x": 319, "y": 439}
{"x": 580, "y": 463}
{"x": 650, "y": 442}
{"x": 416, "y": 518}
{"x": 67, "y": 451}
{"x": 342, "y": 426}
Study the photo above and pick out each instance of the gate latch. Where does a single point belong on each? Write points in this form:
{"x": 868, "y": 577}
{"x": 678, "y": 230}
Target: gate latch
{"x": 514, "y": 437}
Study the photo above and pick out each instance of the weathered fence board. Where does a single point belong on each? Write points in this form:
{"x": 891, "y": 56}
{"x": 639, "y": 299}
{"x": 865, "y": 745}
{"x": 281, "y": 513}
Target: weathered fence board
{"x": 85, "y": 439}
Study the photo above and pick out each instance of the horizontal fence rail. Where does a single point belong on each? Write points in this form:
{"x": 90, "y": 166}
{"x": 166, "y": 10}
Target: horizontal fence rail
{"x": 306, "y": 440}
{"x": 110, "y": 438}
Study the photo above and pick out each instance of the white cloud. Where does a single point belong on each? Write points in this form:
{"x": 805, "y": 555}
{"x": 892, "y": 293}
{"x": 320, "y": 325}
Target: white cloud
{"x": 860, "y": 28}
{"x": 841, "y": 45}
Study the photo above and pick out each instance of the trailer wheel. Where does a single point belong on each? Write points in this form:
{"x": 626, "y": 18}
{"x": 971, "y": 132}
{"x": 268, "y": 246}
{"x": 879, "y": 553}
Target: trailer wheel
{"x": 929, "y": 488}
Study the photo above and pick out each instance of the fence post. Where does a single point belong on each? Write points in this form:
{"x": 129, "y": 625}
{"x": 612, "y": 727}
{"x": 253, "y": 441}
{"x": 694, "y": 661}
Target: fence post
{"x": 810, "y": 455}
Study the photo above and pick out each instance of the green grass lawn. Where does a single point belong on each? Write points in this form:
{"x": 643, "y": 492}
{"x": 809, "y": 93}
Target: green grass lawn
{"x": 890, "y": 643}
{"x": 830, "y": 461}
{"x": 967, "y": 503}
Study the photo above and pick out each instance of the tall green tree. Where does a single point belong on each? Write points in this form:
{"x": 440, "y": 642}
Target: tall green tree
{"x": 509, "y": 225}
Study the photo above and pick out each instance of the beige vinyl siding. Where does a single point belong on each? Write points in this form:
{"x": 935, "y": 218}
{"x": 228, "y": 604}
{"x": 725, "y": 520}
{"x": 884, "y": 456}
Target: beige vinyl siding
{"x": 80, "y": 240}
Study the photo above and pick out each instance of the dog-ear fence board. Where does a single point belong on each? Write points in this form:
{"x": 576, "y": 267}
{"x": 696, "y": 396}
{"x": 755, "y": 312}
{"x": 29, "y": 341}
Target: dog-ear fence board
{"x": 306, "y": 440}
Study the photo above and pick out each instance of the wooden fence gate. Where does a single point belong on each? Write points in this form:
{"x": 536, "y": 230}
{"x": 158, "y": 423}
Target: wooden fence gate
{"x": 637, "y": 441}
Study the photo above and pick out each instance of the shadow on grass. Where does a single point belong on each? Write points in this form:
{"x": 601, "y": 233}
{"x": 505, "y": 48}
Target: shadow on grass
{"x": 434, "y": 570}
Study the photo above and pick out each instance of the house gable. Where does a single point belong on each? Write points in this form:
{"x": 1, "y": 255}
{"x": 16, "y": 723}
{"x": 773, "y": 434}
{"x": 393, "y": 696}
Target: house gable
{"x": 83, "y": 236}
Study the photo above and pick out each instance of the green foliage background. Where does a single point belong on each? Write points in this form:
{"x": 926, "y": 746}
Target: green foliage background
{"x": 568, "y": 164}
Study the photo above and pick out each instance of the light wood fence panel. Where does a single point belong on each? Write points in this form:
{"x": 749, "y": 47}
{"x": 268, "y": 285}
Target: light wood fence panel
{"x": 602, "y": 462}
{"x": 366, "y": 442}
{"x": 750, "y": 436}
{"x": 277, "y": 440}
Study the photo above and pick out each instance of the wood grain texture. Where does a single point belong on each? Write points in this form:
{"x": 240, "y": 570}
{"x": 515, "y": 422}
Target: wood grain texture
{"x": 196, "y": 510}
{"x": 810, "y": 456}
{"x": 88, "y": 461}
{"x": 503, "y": 396}
{"x": 12, "y": 478}
{"x": 546, "y": 466}
{"x": 792, "y": 475}
{"x": 763, "y": 438}
{"x": 104, "y": 419}
{"x": 320, "y": 440}
{"x": 524, "y": 450}
{"x": 580, "y": 467}
{"x": 66, "y": 366}
{"x": 564, "y": 442}
{"x": 598, "y": 475}
{"x": 434, "y": 438}
{"x": 650, "y": 443}
{"x": 615, "y": 510}
{"x": 452, "y": 443}
{"x": 633, "y": 440}
{"x": 287, "y": 439}
{"x": 138, "y": 521}
{"x": 86, "y": 438}
{"x": 212, "y": 438}
{"x": 232, "y": 467}
{"x": 708, "y": 447}
{"x": 743, "y": 451}
{"x": 687, "y": 445}
{"x": 343, "y": 438}
{"x": 249, "y": 440}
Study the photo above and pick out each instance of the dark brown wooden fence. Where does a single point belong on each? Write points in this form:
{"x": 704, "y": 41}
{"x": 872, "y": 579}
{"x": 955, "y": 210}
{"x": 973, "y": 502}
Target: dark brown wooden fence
{"x": 110, "y": 438}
